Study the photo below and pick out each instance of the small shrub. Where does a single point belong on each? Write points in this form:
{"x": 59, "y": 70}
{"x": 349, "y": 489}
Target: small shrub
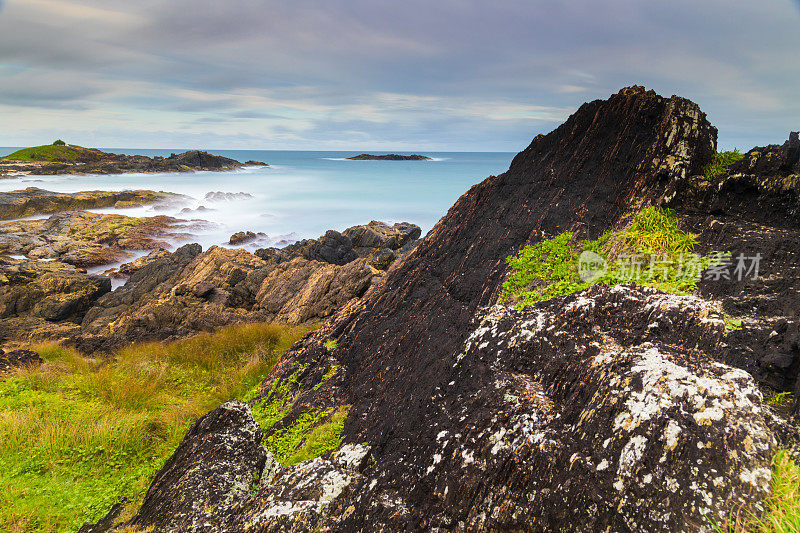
{"x": 732, "y": 324}
{"x": 59, "y": 142}
{"x": 331, "y": 345}
{"x": 721, "y": 162}
{"x": 780, "y": 399}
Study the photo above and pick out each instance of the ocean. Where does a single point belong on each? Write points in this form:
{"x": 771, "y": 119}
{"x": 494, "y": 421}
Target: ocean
{"x": 300, "y": 195}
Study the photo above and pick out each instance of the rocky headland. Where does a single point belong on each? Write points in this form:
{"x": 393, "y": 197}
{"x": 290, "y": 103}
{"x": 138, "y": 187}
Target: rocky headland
{"x": 616, "y": 408}
{"x": 389, "y": 157}
{"x": 71, "y": 159}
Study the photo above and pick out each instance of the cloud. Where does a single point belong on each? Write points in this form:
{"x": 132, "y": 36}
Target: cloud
{"x": 455, "y": 73}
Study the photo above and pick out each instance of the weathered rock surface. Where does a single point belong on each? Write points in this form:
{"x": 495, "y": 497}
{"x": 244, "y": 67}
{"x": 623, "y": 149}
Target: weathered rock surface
{"x": 93, "y": 161}
{"x": 377, "y": 241}
{"x": 18, "y": 358}
{"x": 753, "y": 209}
{"x": 40, "y": 300}
{"x": 86, "y": 239}
{"x": 390, "y": 157}
{"x": 35, "y": 201}
{"x": 224, "y": 449}
{"x": 607, "y": 410}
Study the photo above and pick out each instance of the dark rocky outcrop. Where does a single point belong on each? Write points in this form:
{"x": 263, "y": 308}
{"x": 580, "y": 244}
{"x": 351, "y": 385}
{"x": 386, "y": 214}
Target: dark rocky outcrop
{"x": 18, "y": 358}
{"x": 606, "y": 410}
{"x": 34, "y": 201}
{"x": 389, "y": 157}
{"x": 93, "y": 161}
{"x": 378, "y": 242}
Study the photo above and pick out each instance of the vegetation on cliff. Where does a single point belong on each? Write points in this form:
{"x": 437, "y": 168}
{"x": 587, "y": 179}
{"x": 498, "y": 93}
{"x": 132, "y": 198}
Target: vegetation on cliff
{"x": 77, "y": 434}
{"x": 652, "y": 251}
{"x": 721, "y": 162}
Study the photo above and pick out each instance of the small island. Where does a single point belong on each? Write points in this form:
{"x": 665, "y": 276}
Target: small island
{"x": 62, "y": 158}
{"x": 390, "y": 157}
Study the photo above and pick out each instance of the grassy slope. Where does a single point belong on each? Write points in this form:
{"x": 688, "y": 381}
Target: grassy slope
{"x": 47, "y": 152}
{"x": 76, "y": 436}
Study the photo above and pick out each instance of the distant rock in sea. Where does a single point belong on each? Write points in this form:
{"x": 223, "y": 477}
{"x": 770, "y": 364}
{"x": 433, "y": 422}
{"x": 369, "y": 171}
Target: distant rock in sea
{"x": 390, "y": 157}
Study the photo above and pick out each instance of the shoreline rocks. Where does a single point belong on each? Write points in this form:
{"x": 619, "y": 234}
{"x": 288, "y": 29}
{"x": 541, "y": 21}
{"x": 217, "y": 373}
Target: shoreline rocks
{"x": 35, "y": 201}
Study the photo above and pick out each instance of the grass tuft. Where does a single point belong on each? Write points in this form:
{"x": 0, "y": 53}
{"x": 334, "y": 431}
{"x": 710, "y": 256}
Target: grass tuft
{"x": 77, "y": 434}
{"x": 721, "y": 162}
{"x": 551, "y": 268}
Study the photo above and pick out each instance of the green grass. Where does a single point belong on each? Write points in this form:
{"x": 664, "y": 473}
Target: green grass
{"x": 782, "y": 513}
{"x": 721, "y": 162}
{"x": 780, "y": 399}
{"x": 76, "y": 435}
{"x": 732, "y": 324}
{"x": 331, "y": 345}
{"x": 551, "y": 268}
{"x": 48, "y": 152}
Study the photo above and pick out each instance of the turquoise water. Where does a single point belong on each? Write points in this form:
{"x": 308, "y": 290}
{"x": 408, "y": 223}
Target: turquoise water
{"x": 300, "y": 195}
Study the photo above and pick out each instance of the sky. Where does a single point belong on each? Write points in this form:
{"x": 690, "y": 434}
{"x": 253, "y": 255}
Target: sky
{"x": 445, "y": 75}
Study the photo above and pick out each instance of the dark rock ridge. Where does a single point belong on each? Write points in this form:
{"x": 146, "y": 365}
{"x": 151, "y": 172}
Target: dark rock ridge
{"x": 606, "y": 410}
{"x": 93, "y": 161}
{"x": 35, "y": 201}
{"x": 378, "y": 242}
{"x": 389, "y": 157}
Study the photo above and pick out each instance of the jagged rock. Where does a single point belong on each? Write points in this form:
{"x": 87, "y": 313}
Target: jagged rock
{"x": 192, "y": 291}
{"x": 18, "y": 358}
{"x": 380, "y": 243}
{"x": 127, "y": 269}
{"x": 44, "y": 299}
{"x": 242, "y": 237}
{"x": 218, "y": 461}
{"x": 252, "y": 163}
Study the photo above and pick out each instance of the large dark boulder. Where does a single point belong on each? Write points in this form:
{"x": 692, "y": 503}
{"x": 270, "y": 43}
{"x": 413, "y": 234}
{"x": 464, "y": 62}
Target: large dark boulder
{"x": 219, "y": 460}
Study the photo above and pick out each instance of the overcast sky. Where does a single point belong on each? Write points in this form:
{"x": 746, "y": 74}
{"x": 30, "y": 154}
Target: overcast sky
{"x": 352, "y": 74}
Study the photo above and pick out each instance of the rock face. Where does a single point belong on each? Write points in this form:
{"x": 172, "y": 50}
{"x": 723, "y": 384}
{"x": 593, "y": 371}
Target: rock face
{"x": 85, "y": 239}
{"x": 390, "y": 157}
{"x": 606, "y": 410}
{"x": 227, "y": 440}
{"x": 34, "y": 201}
{"x": 40, "y": 300}
{"x": 93, "y": 161}
{"x": 378, "y": 242}
{"x": 752, "y": 210}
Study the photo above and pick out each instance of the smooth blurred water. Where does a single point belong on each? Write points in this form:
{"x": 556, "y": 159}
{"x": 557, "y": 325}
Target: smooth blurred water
{"x": 301, "y": 194}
